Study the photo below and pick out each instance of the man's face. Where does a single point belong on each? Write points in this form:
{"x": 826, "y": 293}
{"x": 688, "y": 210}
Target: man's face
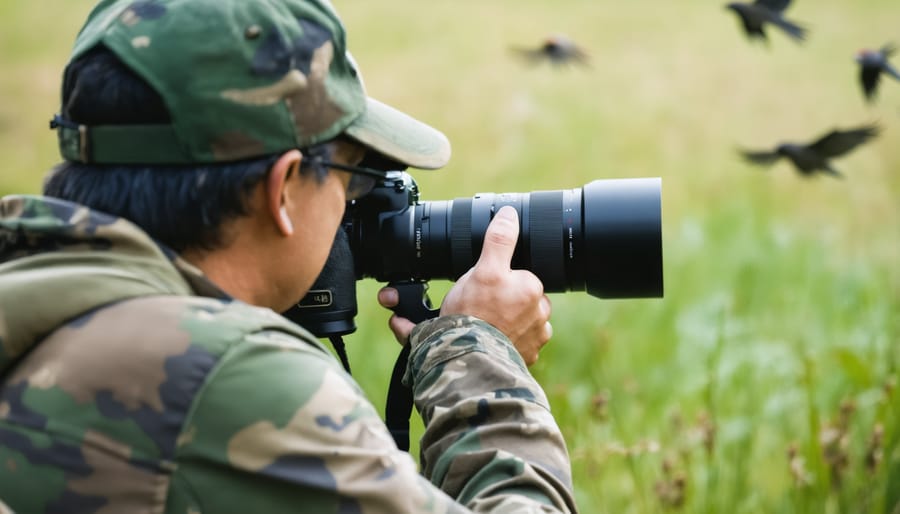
{"x": 316, "y": 215}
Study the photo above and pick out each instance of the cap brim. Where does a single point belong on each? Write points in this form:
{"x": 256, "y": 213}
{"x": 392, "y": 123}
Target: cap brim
{"x": 400, "y": 137}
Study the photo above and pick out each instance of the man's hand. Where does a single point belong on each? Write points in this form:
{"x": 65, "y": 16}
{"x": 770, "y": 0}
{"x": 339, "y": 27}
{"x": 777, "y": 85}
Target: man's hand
{"x": 511, "y": 300}
{"x": 401, "y": 327}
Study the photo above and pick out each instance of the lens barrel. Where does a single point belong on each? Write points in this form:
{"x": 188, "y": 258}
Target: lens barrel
{"x": 604, "y": 238}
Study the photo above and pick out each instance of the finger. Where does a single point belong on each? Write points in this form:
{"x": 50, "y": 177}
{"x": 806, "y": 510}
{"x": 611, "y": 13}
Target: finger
{"x": 388, "y": 297}
{"x": 545, "y": 306}
{"x": 531, "y": 358}
{"x": 401, "y": 327}
{"x": 500, "y": 239}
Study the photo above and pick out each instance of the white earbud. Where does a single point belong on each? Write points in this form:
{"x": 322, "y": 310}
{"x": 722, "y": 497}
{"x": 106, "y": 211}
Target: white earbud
{"x": 286, "y": 220}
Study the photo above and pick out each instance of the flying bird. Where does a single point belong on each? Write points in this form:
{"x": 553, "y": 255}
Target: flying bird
{"x": 872, "y": 64}
{"x": 813, "y": 157}
{"x": 557, "y": 49}
{"x": 756, "y": 15}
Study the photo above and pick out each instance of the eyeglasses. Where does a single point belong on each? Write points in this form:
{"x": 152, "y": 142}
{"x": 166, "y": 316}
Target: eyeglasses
{"x": 362, "y": 180}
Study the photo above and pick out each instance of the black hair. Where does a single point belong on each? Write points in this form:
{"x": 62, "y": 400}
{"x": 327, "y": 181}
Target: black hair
{"x": 181, "y": 206}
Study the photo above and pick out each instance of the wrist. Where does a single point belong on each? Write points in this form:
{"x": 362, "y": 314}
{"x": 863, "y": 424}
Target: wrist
{"x": 436, "y": 341}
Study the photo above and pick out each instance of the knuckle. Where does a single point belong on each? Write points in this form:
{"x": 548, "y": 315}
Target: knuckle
{"x": 485, "y": 276}
{"x": 533, "y": 287}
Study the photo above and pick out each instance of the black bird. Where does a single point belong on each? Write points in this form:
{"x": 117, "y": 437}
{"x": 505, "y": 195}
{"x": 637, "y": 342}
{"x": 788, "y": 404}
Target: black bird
{"x": 813, "y": 157}
{"x": 755, "y": 15}
{"x": 872, "y": 64}
{"x": 557, "y": 49}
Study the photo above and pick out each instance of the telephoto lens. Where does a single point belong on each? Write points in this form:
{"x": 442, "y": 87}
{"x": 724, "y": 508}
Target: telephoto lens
{"x": 604, "y": 238}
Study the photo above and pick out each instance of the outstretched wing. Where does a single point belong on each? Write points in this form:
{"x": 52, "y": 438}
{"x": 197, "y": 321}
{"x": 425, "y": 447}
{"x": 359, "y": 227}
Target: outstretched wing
{"x": 774, "y": 5}
{"x": 890, "y": 70}
{"x": 839, "y": 142}
{"x": 886, "y": 52}
{"x": 529, "y": 54}
{"x": 762, "y": 158}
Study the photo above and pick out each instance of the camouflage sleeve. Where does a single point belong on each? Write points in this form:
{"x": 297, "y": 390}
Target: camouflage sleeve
{"x": 280, "y": 427}
{"x": 490, "y": 440}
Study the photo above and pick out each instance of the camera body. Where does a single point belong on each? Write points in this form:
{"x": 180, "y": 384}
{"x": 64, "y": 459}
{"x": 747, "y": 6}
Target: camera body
{"x": 604, "y": 238}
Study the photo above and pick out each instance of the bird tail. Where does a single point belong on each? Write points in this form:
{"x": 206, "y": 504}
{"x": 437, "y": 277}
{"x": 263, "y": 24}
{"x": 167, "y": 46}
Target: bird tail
{"x": 798, "y": 32}
{"x": 829, "y": 170}
{"x": 762, "y": 158}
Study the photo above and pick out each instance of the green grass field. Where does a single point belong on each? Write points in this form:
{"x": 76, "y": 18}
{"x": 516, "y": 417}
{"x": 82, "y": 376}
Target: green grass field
{"x": 766, "y": 380}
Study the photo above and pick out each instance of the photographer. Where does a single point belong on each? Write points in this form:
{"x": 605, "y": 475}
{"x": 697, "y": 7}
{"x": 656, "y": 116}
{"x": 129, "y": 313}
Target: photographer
{"x": 210, "y": 148}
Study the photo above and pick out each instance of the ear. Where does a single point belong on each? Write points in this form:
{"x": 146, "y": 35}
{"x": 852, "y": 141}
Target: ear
{"x": 287, "y": 166}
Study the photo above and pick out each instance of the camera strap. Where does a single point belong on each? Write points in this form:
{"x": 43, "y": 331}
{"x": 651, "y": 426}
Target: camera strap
{"x": 415, "y": 306}
{"x": 399, "y": 403}
{"x": 338, "y": 343}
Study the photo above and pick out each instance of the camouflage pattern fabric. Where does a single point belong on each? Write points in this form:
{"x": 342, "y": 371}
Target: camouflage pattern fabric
{"x": 130, "y": 383}
{"x": 240, "y": 79}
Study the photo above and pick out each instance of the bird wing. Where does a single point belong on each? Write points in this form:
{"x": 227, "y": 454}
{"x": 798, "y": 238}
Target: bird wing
{"x": 890, "y": 70}
{"x": 886, "y": 52}
{"x": 774, "y": 5}
{"x": 531, "y": 54}
{"x": 838, "y": 142}
{"x": 869, "y": 77}
{"x": 757, "y": 157}
{"x": 752, "y": 25}
{"x": 580, "y": 57}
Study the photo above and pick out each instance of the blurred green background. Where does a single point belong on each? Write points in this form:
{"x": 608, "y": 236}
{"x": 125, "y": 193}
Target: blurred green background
{"x": 766, "y": 379}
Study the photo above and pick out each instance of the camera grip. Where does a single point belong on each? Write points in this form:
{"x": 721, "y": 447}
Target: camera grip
{"x": 413, "y": 302}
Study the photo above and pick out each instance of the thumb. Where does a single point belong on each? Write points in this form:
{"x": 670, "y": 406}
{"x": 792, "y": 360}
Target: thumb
{"x": 500, "y": 239}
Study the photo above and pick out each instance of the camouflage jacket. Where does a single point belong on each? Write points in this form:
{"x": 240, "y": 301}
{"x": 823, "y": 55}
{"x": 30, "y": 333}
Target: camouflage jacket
{"x": 131, "y": 383}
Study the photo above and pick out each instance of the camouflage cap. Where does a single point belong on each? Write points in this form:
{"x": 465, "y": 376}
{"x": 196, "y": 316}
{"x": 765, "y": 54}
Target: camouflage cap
{"x": 241, "y": 79}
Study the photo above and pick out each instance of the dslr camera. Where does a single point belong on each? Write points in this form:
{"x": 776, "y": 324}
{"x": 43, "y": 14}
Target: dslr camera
{"x": 604, "y": 238}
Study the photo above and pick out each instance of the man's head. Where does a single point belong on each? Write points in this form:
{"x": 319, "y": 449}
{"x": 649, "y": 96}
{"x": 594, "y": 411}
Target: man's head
{"x": 192, "y": 117}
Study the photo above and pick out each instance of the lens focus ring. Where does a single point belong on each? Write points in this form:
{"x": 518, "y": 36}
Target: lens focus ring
{"x": 546, "y": 239}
